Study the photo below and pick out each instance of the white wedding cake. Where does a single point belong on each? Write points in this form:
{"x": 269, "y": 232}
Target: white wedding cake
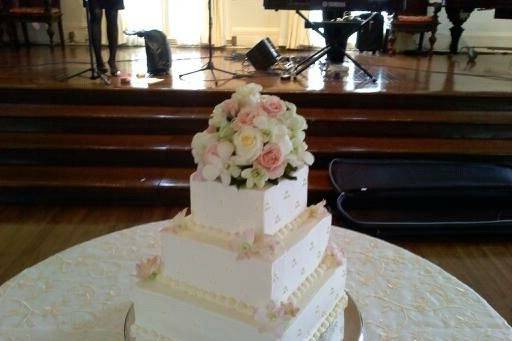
{"x": 251, "y": 262}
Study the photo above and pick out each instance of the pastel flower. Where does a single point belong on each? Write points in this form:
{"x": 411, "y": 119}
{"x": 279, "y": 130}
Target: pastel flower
{"x": 297, "y": 122}
{"x": 200, "y": 142}
{"x": 243, "y": 243}
{"x": 216, "y": 159}
{"x": 246, "y": 117}
{"x": 300, "y": 156}
{"x": 226, "y": 132}
{"x": 274, "y": 317}
{"x": 219, "y": 117}
{"x": 290, "y": 310}
{"x": 149, "y": 268}
{"x": 248, "y": 143}
{"x": 272, "y": 105}
{"x": 254, "y": 176}
{"x": 231, "y": 107}
{"x": 267, "y": 246}
{"x": 272, "y": 160}
{"x": 177, "y": 224}
{"x": 248, "y": 94}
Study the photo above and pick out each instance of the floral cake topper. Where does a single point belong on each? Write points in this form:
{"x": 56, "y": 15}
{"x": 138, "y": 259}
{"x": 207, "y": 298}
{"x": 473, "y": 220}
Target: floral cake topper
{"x": 252, "y": 140}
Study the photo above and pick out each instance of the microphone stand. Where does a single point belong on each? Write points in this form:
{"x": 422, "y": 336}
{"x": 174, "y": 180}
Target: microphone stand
{"x": 209, "y": 65}
{"x": 95, "y": 74}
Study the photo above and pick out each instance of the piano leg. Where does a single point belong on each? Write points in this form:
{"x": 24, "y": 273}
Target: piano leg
{"x": 457, "y": 16}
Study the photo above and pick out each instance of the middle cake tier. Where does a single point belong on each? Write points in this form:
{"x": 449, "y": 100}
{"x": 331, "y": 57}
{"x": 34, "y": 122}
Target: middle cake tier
{"x": 254, "y": 269}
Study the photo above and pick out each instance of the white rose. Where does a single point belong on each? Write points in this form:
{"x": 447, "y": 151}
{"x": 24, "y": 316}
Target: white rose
{"x": 298, "y": 123}
{"x": 248, "y": 94}
{"x": 261, "y": 122}
{"x": 200, "y": 143}
{"x": 219, "y": 117}
{"x": 248, "y": 143}
{"x": 286, "y": 144}
{"x": 291, "y": 107}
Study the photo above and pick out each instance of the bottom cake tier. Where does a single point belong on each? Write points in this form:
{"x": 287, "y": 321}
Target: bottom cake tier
{"x": 165, "y": 310}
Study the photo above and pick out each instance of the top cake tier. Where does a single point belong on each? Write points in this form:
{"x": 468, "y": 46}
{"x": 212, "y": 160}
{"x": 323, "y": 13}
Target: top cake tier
{"x": 265, "y": 210}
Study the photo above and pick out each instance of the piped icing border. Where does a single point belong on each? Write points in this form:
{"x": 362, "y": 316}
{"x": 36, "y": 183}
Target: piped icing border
{"x": 185, "y": 226}
{"x": 341, "y": 304}
{"x": 141, "y": 332}
{"x": 241, "y": 307}
{"x": 313, "y": 211}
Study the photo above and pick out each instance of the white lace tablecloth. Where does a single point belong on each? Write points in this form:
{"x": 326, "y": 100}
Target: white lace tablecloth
{"x": 82, "y": 293}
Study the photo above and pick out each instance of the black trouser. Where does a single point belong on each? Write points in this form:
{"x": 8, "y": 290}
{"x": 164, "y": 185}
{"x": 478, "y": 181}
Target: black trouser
{"x": 112, "y": 32}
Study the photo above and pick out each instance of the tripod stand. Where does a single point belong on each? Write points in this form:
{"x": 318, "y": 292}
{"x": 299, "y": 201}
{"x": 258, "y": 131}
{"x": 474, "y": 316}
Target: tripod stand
{"x": 348, "y": 29}
{"x": 95, "y": 74}
{"x": 209, "y": 65}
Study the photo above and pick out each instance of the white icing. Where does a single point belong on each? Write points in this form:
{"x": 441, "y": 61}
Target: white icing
{"x": 330, "y": 329}
{"x": 181, "y": 316}
{"x": 266, "y": 210}
{"x": 210, "y": 265}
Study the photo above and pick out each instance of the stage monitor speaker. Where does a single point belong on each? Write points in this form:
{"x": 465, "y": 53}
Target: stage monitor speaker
{"x": 263, "y": 55}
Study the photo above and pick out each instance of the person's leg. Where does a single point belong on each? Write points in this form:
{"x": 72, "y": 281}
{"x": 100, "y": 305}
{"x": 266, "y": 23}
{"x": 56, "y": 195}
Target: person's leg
{"x": 96, "y": 16}
{"x": 112, "y": 34}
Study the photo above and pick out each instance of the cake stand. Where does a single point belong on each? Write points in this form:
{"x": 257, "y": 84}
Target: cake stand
{"x": 353, "y": 328}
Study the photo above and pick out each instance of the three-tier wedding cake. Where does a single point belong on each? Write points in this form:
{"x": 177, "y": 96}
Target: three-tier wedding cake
{"x": 251, "y": 261}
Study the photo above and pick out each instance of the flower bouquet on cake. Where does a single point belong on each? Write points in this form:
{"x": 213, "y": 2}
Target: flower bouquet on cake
{"x": 252, "y": 140}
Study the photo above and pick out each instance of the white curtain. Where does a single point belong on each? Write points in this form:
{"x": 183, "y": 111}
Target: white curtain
{"x": 293, "y": 33}
{"x": 183, "y": 21}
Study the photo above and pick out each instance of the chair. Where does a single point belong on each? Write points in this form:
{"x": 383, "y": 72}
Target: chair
{"x": 33, "y": 11}
{"x": 415, "y": 19}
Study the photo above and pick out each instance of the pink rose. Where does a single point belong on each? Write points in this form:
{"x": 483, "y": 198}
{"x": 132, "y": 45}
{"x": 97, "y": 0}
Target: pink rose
{"x": 246, "y": 117}
{"x": 273, "y": 106}
{"x": 272, "y": 160}
{"x": 230, "y": 106}
{"x": 211, "y": 154}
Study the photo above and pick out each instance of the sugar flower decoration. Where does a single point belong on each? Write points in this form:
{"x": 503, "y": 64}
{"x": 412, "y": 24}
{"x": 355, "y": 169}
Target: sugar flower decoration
{"x": 243, "y": 243}
{"x": 252, "y": 140}
{"x": 149, "y": 268}
{"x": 274, "y": 317}
{"x": 335, "y": 253}
{"x": 177, "y": 224}
{"x": 318, "y": 210}
{"x": 247, "y": 244}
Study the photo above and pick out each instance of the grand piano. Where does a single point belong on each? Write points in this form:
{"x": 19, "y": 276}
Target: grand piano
{"x": 458, "y": 11}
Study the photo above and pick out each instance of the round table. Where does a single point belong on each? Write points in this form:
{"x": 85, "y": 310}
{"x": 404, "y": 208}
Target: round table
{"x": 82, "y": 293}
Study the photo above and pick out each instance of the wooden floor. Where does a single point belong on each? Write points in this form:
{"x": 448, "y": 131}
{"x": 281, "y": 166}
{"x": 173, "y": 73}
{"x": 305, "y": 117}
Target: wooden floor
{"x": 39, "y": 66}
{"x": 29, "y": 234}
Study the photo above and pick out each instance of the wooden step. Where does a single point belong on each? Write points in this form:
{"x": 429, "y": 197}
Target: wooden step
{"x": 209, "y": 98}
{"x": 174, "y": 151}
{"x": 33, "y": 184}
{"x": 189, "y": 120}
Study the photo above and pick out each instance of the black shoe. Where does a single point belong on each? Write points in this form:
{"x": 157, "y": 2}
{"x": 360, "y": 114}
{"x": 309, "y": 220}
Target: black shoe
{"x": 102, "y": 68}
{"x": 114, "y": 71}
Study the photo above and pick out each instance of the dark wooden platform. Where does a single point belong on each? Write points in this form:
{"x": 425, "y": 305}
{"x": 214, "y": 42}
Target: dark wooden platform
{"x": 79, "y": 141}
